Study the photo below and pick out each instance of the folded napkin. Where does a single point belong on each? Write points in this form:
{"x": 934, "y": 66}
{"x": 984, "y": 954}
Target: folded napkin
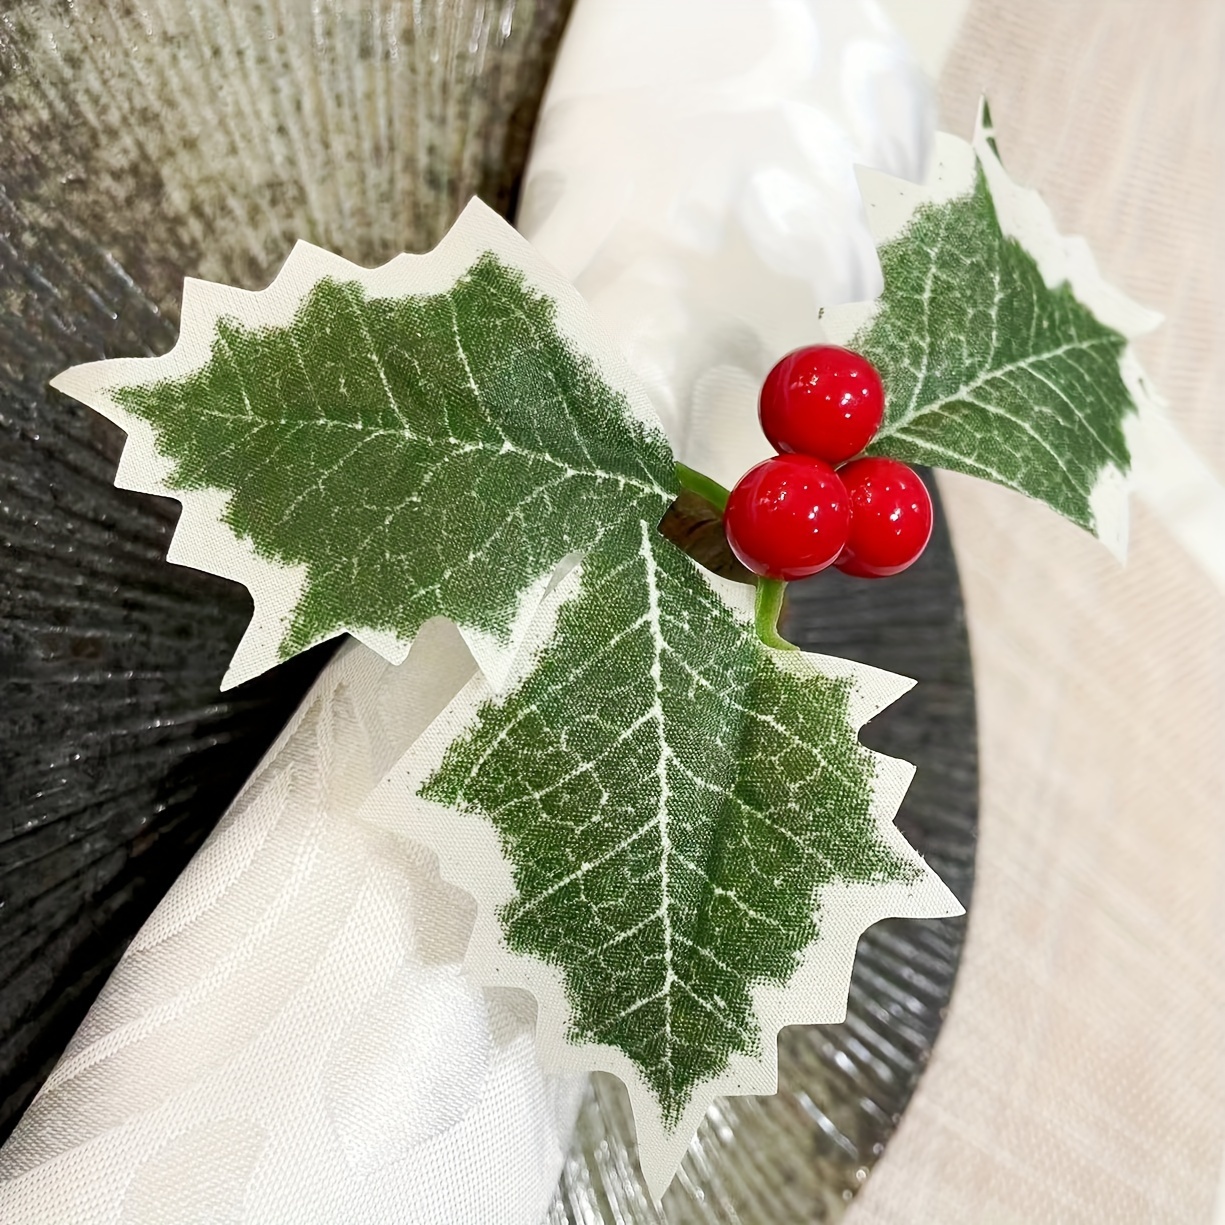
{"x": 291, "y": 1037}
{"x": 694, "y": 175}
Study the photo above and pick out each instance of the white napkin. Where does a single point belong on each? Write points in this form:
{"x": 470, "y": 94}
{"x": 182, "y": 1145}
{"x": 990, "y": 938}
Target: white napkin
{"x": 290, "y": 1038}
{"x": 693, "y": 174}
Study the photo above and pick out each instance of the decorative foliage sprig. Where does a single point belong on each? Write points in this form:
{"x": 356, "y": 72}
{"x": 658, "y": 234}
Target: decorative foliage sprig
{"x": 673, "y": 834}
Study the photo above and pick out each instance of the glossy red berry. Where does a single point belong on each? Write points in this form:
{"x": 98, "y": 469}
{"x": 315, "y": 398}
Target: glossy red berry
{"x": 891, "y": 517}
{"x": 822, "y": 400}
{"x": 788, "y": 517}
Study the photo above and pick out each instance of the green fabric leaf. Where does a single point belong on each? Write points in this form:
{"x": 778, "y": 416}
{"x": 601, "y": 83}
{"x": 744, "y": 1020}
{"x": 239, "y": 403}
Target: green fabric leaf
{"x": 1003, "y": 353}
{"x": 672, "y": 832}
{"x": 415, "y": 454}
{"x": 988, "y": 371}
{"x": 672, "y": 798}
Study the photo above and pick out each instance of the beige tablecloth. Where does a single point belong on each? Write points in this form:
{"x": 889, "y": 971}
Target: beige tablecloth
{"x": 1081, "y": 1073}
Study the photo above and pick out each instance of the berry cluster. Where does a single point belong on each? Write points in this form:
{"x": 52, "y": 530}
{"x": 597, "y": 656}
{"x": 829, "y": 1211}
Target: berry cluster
{"x": 807, "y": 507}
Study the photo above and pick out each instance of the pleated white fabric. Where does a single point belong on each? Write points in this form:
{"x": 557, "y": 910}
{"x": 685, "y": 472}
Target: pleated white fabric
{"x": 290, "y": 1037}
{"x": 693, "y": 174}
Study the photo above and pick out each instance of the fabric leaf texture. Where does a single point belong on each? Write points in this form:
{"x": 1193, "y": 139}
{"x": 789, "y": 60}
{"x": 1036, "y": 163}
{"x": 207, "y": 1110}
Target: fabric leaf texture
{"x": 427, "y": 439}
{"x": 665, "y": 822}
{"x": 1003, "y": 352}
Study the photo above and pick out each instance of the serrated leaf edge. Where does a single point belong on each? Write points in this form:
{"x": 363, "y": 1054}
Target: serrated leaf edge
{"x": 203, "y": 540}
{"x": 470, "y": 856}
{"x": 1024, "y": 216}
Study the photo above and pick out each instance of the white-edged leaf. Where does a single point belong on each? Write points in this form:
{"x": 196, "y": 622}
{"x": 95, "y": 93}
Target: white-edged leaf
{"x": 673, "y": 835}
{"x": 1004, "y": 353}
{"x": 368, "y": 448}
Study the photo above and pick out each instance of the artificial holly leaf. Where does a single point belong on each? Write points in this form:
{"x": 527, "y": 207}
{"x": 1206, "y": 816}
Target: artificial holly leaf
{"x": 367, "y": 449}
{"x": 672, "y": 831}
{"x": 1004, "y": 353}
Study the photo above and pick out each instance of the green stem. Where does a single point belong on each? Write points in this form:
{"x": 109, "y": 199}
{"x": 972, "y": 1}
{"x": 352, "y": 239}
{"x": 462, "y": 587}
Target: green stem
{"x": 769, "y": 604}
{"x": 703, "y": 486}
{"x": 770, "y": 591}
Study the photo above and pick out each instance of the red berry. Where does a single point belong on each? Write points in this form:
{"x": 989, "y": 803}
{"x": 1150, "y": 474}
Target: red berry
{"x": 822, "y": 400}
{"x": 788, "y": 517}
{"x": 891, "y": 517}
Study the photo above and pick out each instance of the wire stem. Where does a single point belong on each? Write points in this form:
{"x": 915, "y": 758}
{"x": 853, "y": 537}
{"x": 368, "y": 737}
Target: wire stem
{"x": 769, "y": 604}
{"x": 703, "y": 486}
